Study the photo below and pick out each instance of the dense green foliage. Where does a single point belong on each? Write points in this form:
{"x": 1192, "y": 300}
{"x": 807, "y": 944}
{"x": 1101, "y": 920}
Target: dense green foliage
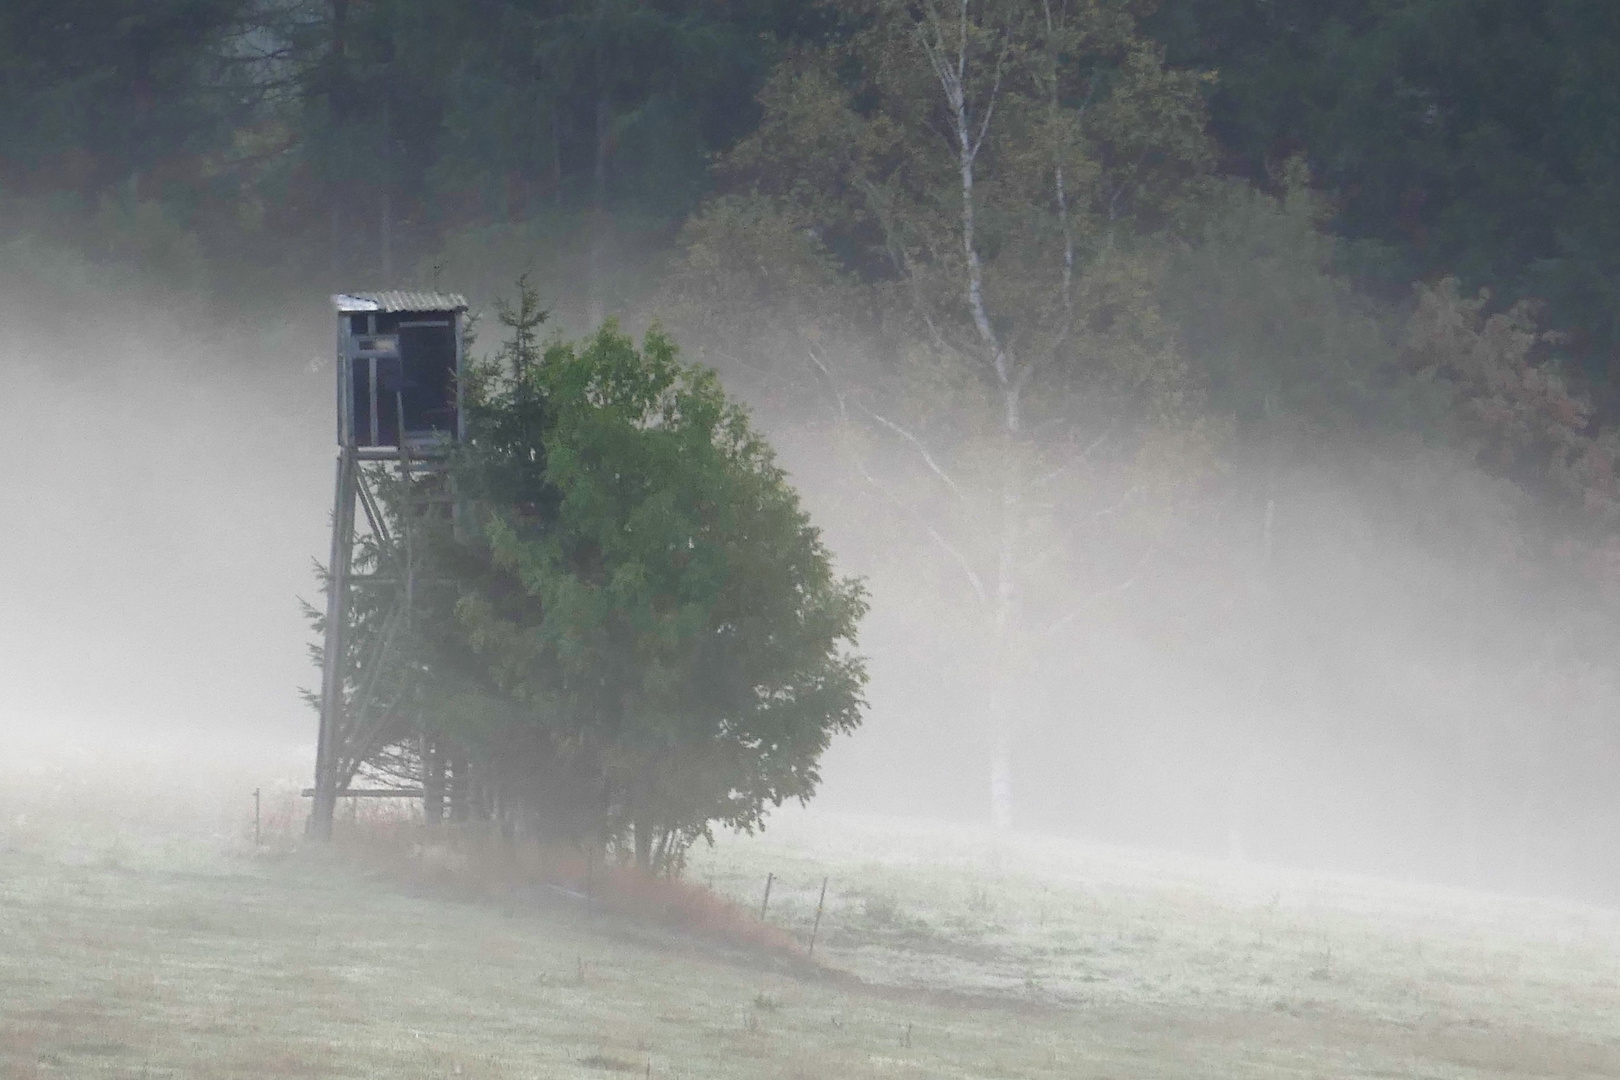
{"x": 645, "y": 636}
{"x": 349, "y": 138}
{"x": 97, "y": 92}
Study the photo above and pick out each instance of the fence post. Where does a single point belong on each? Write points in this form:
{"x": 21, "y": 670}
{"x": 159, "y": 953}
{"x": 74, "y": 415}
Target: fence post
{"x": 816, "y": 928}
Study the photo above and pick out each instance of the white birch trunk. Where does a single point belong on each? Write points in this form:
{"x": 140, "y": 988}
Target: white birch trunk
{"x": 951, "y": 67}
{"x": 1243, "y": 768}
{"x": 1005, "y": 622}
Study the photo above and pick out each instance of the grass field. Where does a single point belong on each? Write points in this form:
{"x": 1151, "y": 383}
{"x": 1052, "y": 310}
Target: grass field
{"x": 152, "y": 940}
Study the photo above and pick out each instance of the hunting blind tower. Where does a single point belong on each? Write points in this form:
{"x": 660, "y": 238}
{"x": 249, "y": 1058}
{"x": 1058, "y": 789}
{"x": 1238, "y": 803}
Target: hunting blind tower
{"x": 399, "y": 367}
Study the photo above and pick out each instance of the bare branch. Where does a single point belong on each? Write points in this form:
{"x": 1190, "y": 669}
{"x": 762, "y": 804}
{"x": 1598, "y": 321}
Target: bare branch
{"x": 935, "y": 51}
{"x": 1133, "y": 576}
{"x": 995, "y": 92}
{"x": 1070, "y": 462}
{"x": 832, "y": 383}
{"x": 917, "y": 444}
{"x": 922, "y": 451}
{"x": 961, "y": 47}
{"x": 1061, "y": 192}
{"x": 975, "y": 582}
{"x": 1119, "y": 504}
{"x": 963, "y": 563}
{"x": 1068, "y": 534}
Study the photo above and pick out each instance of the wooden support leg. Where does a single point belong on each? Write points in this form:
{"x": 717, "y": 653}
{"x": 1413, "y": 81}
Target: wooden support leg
{"x": 329, "y": 742}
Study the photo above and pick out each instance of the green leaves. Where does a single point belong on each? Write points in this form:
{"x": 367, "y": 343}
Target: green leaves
{"x": 684, "y": 637}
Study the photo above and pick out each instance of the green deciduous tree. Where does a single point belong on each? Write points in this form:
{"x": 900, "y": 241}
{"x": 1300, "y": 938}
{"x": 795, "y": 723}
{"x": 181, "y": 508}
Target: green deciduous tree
{"x": 645, "y": 613}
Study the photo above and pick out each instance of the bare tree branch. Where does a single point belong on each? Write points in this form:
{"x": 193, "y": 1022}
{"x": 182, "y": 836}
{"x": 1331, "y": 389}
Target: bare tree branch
{"x": 917, "y": 444}
{"x": 1069, "y": 462}
{"x": 1125, "y": 585}
{"x": 1119, "y": 504}
{"x": 922, "y": 452}
{"x": 995, "y": 93}
{"x": 974, "y": 580}
{"x": 832, "y": 384}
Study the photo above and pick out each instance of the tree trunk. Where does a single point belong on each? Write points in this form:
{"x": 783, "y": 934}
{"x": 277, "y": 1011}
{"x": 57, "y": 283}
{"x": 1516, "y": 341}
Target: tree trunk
{"x": 644, "y": 845}
{"x": 432, "y": 782}
{"x": 1004, "y": 629}
{"x": 1001, "y": 778}
{"x": 1524, "y": 830}
{"x": 1241, "y": 771}
{"x": 969, "y": 126}
{"x": 459, "y": 788}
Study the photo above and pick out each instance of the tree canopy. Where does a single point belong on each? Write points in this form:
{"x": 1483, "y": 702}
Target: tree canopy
{"x": 642, "y": 635}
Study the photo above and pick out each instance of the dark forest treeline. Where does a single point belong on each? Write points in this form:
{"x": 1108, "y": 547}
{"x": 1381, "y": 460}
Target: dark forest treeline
{"x": 1472, "y": 137}
{"x": 348, "y": 137}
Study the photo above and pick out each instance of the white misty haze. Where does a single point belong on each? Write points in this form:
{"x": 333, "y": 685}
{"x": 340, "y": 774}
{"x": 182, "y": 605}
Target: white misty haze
{"x": 164, "y": 498}
{"x": 1401, "y": 688}
{"x": 170, "y": 483}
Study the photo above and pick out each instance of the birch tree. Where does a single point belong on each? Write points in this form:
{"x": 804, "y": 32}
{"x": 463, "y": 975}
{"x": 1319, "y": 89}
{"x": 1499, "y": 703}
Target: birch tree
{"x": 949, "y": 214}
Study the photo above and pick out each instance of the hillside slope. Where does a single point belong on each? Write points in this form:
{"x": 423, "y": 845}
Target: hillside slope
{"x": 131, "y": 949}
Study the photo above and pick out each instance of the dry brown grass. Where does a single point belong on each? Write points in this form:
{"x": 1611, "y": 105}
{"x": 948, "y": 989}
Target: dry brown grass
{"x": 474, "y": 862}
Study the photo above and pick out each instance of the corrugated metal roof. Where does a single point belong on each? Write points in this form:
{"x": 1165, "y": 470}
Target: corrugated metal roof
{"x": 400, "y": 300}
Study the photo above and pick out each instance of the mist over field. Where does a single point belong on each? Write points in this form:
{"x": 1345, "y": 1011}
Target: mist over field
{"x": 1188, "y": 610}
{"x": 174, "y": 490}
